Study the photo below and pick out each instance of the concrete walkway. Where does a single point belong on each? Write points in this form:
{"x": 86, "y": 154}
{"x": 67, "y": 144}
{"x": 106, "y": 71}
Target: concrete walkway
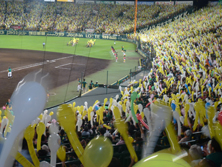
{"x": 99, "y": 94}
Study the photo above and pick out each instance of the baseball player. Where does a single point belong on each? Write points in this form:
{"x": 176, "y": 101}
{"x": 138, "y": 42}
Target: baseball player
{"x": 9, "y": 72}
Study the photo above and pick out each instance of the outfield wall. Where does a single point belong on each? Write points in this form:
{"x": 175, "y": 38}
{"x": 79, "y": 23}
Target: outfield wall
{"x": 66, "y": 34}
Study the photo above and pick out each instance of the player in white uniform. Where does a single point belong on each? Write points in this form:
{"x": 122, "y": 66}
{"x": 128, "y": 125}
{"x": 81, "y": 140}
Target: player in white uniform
{"x": 9, "y": 72}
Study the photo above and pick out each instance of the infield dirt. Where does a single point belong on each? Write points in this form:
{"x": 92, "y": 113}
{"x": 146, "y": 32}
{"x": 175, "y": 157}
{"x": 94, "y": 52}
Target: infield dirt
{"x": 63, "y": 68}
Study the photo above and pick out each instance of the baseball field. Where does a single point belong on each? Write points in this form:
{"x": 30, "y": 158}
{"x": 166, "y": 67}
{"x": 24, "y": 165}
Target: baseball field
{"x": 65, "y": 64}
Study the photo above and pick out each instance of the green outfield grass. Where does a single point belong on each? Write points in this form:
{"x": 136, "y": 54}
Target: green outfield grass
{"x": 101, "y": 50}
{"x": 59, "y": 44}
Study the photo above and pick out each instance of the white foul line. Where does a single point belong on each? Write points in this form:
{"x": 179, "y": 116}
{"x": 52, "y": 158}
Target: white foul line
{"x": 35, "y": 65}
{"x": 61, "y": 66}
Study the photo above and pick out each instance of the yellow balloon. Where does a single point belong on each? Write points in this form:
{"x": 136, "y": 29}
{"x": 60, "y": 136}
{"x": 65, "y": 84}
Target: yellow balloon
{"x": 131, "y": 139}
{"x": 116, "y": 113}
{"x": 142, "y": 114}
{"x": 29, "y": 135}
{"x": 51, "y": 113}
{"x": 101, "y": 115}
{"x": 186, "y": 109}
{"x": 98, "y": 153}
{"x": 216, "y": 104}
{"x": 135, "y": 107}
{"x": 122, "y": 129}
{"x": 218, "y": 133}
{"x": 161, "y": 159}
{"x": 40, "y": 117}
{"x": 211, "y": 112}
{"x": 61, "y": 153}
{"x": 73, "y": 104}
{"x": 196, "y": 107}
{"x": 105, "y": 100}
{"x": 22, "y": 160}
{"x": 131, "y": 88}
{"x": 10, "y": 121}
{"x": 81, "y": 109}
{"x": 172, "y": 138}
{"x": 67, "y": 120}
{"x": 106, "y": 126}
{"x": 110, "y": 103}
{"x": 89, "y": 111}
{"x": 40, "y": 130}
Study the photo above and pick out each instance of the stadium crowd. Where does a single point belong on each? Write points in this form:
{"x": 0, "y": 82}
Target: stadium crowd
{"x": 185, "y": 75}
{"x": 109, "y": 19}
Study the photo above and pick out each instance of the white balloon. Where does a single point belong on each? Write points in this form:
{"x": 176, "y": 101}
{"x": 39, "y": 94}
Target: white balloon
{"x": 163, "y": 116}
{"x": 91, "y": 121}
{"x": 53, "y": 128}
{"x": 79, "y": 122}
{"x": 140, "y": 107}
{"x": 45, "y": 164}
{"x": 147, "y": 114}
{"x": 182, "y": 119}
{"x": 117, "y": 97}
{"x": 47, "y": 119}
{"x": 28, "y": 100}
{"x": 36, "y": 121}
{"x": 54, "y": 142}
{"x": 86, "y": 105}
{"x": 205, "y": 131}
{"x": 177, "y": 117}
{"x": 120, "y": 89}
{"x": 44, "y": 115}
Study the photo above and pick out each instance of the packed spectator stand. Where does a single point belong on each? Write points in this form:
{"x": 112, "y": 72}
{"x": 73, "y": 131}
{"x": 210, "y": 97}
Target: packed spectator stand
{"x": 70, "y": 17}
{"x": 186, "y": 70}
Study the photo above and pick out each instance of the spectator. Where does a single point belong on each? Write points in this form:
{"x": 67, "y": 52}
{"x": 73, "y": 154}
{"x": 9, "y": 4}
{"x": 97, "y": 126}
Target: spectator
{"x": 85, "y": 132}
{"x": 215, "y": 153}
{"x": 196, "y": 154}
{"x": 187, "y": 136}
{"x": 121, "y": 141}
{"x": 91, "y": 85}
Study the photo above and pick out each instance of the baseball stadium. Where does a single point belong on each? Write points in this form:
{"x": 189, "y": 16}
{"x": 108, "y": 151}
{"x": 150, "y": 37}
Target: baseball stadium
{"x": 124, "y": 83}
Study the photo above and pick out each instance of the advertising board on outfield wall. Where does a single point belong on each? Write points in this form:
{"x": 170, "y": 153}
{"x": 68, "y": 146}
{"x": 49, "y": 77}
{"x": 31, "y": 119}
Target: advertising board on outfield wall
{"x": 105, "y": 2}
{"x": 66, "y": 34}
{"x": 49, "y": 0}
{"x": 79, "y": 1}
{"x": 213, "y": 3}
{"x": 164, "y": 3}
{"x": 145, "y": 3}
{"x": 125, "y": 2}
{"x": 184, "y": 2}
{"x": 65, "y": 0}
{"x": 89, "y": 2}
